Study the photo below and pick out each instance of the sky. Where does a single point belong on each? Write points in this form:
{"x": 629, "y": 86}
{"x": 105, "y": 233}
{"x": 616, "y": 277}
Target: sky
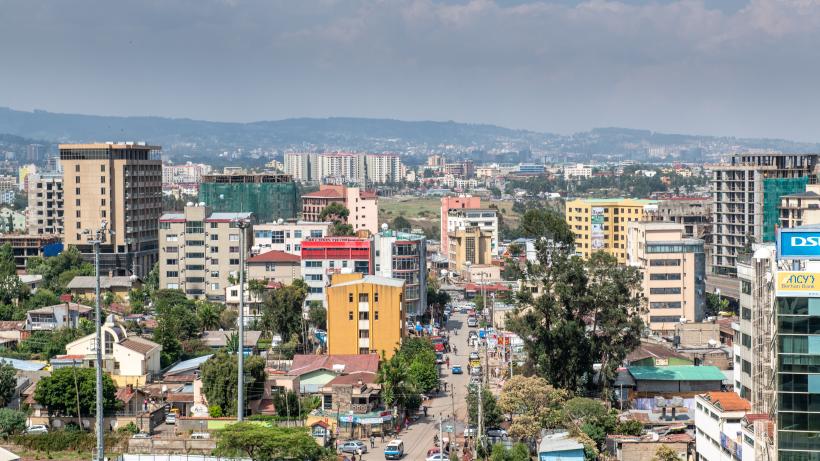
{"x": 721, "y": 67}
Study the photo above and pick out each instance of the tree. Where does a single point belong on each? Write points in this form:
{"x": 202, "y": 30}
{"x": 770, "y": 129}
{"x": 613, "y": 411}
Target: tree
{"x": 219, "y": 380}
{"x": 282, "y": 309}
{"x": 629, "y": 427}
{"x": 176, "y": 322}
{"x": 489, "y": 410}
{"x": 59, "y": 392}
{"x": 208, "y": 314}
{"x": 591, "y": 417}
{"x": 8, "y": 383}
{"x": 532, "y": 405}
{"x": 546, "y": 223}
{"x": 715, "y": 304}
{"x": 520, "y": 452}
{"x": 317, "y": 316}
{"x": 11, "y": 421}
{"x": 335, "y": 212}
{"x": 666, "y": 453}
{"x": 401, "y": 223}
{"x": 58, "y": 270}
{"x": 262, "y": 443}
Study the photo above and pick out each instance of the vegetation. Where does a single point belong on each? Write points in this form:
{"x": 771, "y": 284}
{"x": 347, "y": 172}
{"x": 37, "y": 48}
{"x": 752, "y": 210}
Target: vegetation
{"x": 317, "y": 316}
{"x": 11, "y": 422}
{"x": 177, "y": 322}
{"x": 532, "y": 404}
{"x": 58, "y": 270}
{"x": 490, "y": 412}
{"x": 262, "y": 443}
{"x": 282, "y": 309}
{"x": 337, "y": 214}
{"x": 410, "y": 372}
{"x": 69, "y": 389}
{"x": 401, "y": 223}
{"x": 666, "y": 453}
{"x": 219, "y": 380}
{"x": 8, "y": 383}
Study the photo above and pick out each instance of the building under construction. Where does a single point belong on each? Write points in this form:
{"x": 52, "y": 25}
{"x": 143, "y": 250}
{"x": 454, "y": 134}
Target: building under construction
{"x": 268, "y": 196}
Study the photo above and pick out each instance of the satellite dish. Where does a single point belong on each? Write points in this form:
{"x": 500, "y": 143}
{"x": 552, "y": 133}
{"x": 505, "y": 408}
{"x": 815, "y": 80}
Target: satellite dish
{"x": 384, "y": 226}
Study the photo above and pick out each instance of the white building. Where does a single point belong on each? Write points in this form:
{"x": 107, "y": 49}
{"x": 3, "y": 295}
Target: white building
{"x": 286, "y": 236}
{"x": 401, "y": 255}
{"x": 302, "y": 166}
{"x": 189, "y": 173}
{"x": 44, "y": 214}
{"x": 484, "y": 219}
{"x": 579, "y": 170}
{"x": 718, "y": 434}
{"x": 384, "y": 168}
{"x": 344, "y": 167}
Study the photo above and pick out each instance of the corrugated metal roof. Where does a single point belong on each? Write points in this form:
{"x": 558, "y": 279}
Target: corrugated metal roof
{"x": 187, "y": 365}
{"x": 23, "y": 365}
{"x": 677, "y": 373}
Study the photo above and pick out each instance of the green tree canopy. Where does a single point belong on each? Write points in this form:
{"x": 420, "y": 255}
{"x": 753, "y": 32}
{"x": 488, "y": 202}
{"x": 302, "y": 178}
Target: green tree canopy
{"x": 317, "y": 316}
{"x": 58, "y": 270}
{"x": 8, "y": 383}
{"x": 532, "y": 404}
{"x": 11, "y": 421}
{"x": 401, "y": 223}
{"x": 489, "y": 411}
{"x": 282, "y": 309}
{"x": 546, "y": 223}
{"x": 59, "y": 395}
{"x": 219, "y": 376}
{"x": 262, "y": 443}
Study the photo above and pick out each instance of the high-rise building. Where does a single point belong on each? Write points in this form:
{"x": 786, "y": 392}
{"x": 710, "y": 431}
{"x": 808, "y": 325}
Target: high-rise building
{"x": 484, "y": 219}
{"x": 199, "y": 250}
{"x": 34, "y": 153}
{"x": 402, "y": 255}
{"x": 469, "y": 246}
{"x": 268, "y": 196}
{"x": 802, "y": 208}
{"x": 120, "y": 184}
{"x": 451, "y": 203}
{"x": 363, "y": 205}
{"x": 22, "y": 176}
{"x": 746, "y": 194}
{"x": 303, "y": 167}
{"x": 187, "y": 173}
{"x": 45, "y": 204}
{"x": 695, "y": 213}
{"x": 579, "y": 170}
{"x": 322, "y": 257}
{"x": 344, "y": 168}
{"x": 383, "y": 168}
{"x": 369, "y": 305}
{"x": 674, "y": 273}
{"x": 287, "y": 235}
{"x": 601, "y": 224}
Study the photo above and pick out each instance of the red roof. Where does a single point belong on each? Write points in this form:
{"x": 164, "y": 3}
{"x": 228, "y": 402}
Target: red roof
{"x": 326, "y": 193}
{"x": 274, "y": 256}
{"x": 368, "y": 194}
{"x": 352, "y": 363}
{"x": 493, "y": 287}
{"x": 728, "y": 401}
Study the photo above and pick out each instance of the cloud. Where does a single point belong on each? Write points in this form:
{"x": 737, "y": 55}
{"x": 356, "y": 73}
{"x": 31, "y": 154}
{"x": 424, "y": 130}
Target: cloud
{"x": 685, "y": 66}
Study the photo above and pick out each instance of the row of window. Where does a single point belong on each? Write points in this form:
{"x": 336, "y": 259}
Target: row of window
{"x": 280, "y": 236}
{"x": 666, "y": 305}
{"x": 675, "y": 276}
{"x": 665, "y": 291}
{"x": 214, "y": 261}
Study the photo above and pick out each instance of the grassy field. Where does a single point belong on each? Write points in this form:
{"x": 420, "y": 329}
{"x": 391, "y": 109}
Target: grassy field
{"x": 425, "y": 212}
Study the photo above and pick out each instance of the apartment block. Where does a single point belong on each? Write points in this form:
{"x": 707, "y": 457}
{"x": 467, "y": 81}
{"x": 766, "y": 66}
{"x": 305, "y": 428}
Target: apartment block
{"x": 452, "y": 203}
{"x": 45, "y": 204}
{"x": 802, "y": 208}
{"x": 674, "y": 273}
{"x": 694, "y": 213}
{"x": 268, "y": 196}
{"x": 304, "y": 167}
{"x": 363, "y": 205}
{"x": 120, "y": 184}
{"x": 369, "y": 305}
{"x": 274, "y": 266}
{"x": 484, "y": 219}
{"x": 344, "y": 168}
{"x": 718, "y": 418}
{"x": 322, "y": 257}
{"x": 746, "y": 194}
{"x": 286, "y": 235}
{"x": 187, "y": 173}
{"x": 469, "y": 246}
{"x": 579, "y": 170}
{"x": 601, "y": 224}
{"x": 199, "y": 250}
{"x": 402, "y": 255}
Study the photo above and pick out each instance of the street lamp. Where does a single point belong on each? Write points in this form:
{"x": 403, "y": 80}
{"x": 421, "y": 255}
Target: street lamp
{"x": 242, "y": 224}
{"x": 96, "y": 238}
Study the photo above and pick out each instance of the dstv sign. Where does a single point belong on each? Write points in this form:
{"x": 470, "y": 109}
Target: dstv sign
{"x": 798, "y": 243}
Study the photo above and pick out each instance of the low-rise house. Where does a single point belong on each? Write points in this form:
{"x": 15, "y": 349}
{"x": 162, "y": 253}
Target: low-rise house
{"x": 12, "y": 332}
{"x": 316, "y": 371}
{"x": 658, "y": 355}
{"x": 675, "y": 380}
{"x": 718, "y": 431}
{"x": 186, "y": 371}
{"x": 128, "y": 358}
{"x": 220, "y": 339}
{"x": 560, "y": 446}
{"x": 644, "y": 447}
{"x": 32, "y": 281}
{"x": 84, "y": 287}
{"x": 57, "y": 316}
{"x": 275, "y": 266}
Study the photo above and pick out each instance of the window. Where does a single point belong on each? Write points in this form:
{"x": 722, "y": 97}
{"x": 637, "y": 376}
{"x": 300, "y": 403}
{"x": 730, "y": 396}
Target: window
{"x": 102, "y": 202}
{"x": 376, "y": 297}
{"x": 364, "y": 334}
{"x": 665, "y": 291}
{"x": 364, "y": 297}
{"x": 233, "y": 237}
{"x": 214, "y": 249}
{"x": 77, "y": 179}
{"x": 350, "y": 315}
{"x": 214, "y": 274}
{"x": 665, "y": 305}
{"x": 313, "y": 263}
{"x": 214, "y": 237}
{"x": 364, "y": 316}
{"x": 78, "y": 213}
{"x": 76, "y": 202}
{"x": 376, "y": 315}
{"x": 297, "y": 234}
{"x": 316, "y": 233}
{"x": 233, "y": 261}
{"x": 363, "y": 351}
{"x": 171, "y": 262}
{"x": 171, "y": 274}
{"x": 171, "y": 238}
{"x": 195, "y": 279}
{"x": 214, "y": 261}
{"x": 746, "y": 340}
{"x": 350, "y": 297}
{"x": 664, "y": 262}
{"x": 102, "y": 179}
{"x": 315, "y": 290}
{"x": 214, "y": 286}
{"x": 194, "y": 227}
{"x": 664, "y": 318}
{"x": 312, "y": 277}
{"x": 195, "y": 243}
{"x": 747, "y": 367}
{"x": 162, "y": 225}
{"x": 746, "y": 313}
{"x": 195, "y": 267}
{"x": 297, "y": 247}
{"x": 195, "y": 255}
{"x": 102, "y": 168}
{"x": 664, "y": 276}
{"x": 214, "y": 225}
{"x": 172, "y": 286}
{"x": 233, "y": 249}
{"x": 102, "y": 190}
{"x": 76, "y": 168}
{"x": 278, "y": 237}
{"x": 746, "y": 287}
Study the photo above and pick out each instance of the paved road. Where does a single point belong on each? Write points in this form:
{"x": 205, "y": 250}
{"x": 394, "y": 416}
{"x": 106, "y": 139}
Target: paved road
{"x": 418, "y": 438}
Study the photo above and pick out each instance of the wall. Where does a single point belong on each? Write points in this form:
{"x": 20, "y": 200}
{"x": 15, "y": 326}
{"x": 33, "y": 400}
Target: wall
{"x": 645, "y": 451}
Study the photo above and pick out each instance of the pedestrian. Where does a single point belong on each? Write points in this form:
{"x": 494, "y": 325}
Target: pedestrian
{"x": 372, "y": 441}
{"x": 424, "y": 409}
{"x": 382, "y": 433}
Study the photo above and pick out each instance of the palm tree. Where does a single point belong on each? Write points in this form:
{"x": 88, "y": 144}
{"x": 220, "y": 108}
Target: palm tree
{"x": 208, "y": 316}
{"x": 393, "y": 377}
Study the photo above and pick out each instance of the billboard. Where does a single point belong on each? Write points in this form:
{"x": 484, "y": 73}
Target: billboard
{"x": 798, "y": 244}
{"x": 798, "y": 284}
{"x": 597, "y": 235}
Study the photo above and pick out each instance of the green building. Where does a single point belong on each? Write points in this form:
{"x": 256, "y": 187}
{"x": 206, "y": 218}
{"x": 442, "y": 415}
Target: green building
{"x": 268, "y": 196}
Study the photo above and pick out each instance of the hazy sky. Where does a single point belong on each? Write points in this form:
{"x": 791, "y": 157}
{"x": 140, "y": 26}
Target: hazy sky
{"x": 711, "y": 66}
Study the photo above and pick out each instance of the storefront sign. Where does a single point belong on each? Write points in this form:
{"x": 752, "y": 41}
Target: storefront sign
{"x": 798, "y": 284}
{"x": 797, "y": 244}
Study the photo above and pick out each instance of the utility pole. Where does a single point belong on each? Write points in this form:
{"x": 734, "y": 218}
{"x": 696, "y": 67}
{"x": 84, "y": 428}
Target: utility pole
{"x": 480, "y": 416}
{"x": 240, "y": 390}
{"x": 441, "y": 434}
{"x": 97, "y": 237}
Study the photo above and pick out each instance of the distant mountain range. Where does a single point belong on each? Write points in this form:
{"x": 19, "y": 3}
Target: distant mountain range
{"x": 186, "y": 139}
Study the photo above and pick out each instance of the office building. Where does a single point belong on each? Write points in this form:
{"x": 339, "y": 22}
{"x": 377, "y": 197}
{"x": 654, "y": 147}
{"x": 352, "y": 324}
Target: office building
{"x": 322, "y": 257}
{"x": 717, "y": 426}
{"x": 402, "y": 255}
{"x": 268, "y": 196}
{"x": 199, "y": 250}
{"x": 577, "y": 171}
{"x": 362, "y": 205}
{"x": 484, "y": 219}
{"x": 469, "y": 246}
{"x": 601, "y": 224}
{"x": 746, "y": 195}
{"x": 34, "y": 152}
{"x": 674, "y": 272}
{"x": 451, "y": 203}
{"x": 286, "y": 235}
{"x": 369, "y": 305}
{"x": 120, "y": 184}
{"x": 530, "y": 169}
{"x": 464, "y": 169}
{"x": 45, "y": 204}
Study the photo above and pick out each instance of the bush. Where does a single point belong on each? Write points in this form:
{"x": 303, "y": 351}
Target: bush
{"x": 215, "y": 411}
{"x": 62, "y": 441}
{"x": 129, "y": 428}
{"x": 11, "y": 421}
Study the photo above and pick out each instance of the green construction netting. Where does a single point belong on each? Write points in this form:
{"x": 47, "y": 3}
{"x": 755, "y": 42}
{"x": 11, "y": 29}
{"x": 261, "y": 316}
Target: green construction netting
{"x": 773, "y": 189}
{"x": 268, "y": 201}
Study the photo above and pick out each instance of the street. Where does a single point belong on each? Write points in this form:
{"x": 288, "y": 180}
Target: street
{"x": 418, "y": 438}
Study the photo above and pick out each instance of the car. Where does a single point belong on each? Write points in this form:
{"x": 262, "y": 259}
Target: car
{"x": 472, "y": 334}
{"x": 438, "y": 457}
{"x": 394, "y": 449}
{"x": 463, "y": 309}
{"x": 496, "y": 433}
{"x": 475, "y": 380}
{"x": 435, "y": 449}
{"x": 456, "y": 370}
{"x": 37, "y": 429}
{"x": 472, "y": 322}
{"x": 474, "y": 356}
{"x": 200, "y": 436}
{"x": 439, "y": 358}
{"x": 354, "y": 446}
{"x": 171, "y": 418}
{"x": 141, "y": 435}
{"x": 470, "y": 431}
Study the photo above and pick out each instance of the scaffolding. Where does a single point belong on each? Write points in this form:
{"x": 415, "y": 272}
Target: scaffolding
{"x": 773, "y": 190}
{"x": 267, "y": 200}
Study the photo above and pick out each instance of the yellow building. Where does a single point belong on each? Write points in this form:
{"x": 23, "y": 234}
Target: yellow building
{"x": 364, "y": 314}
{"x": 469, "y": 245}
{"x": 601, "y": 224}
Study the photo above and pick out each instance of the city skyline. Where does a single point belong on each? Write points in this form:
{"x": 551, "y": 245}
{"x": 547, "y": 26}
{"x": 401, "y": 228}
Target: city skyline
{"x": 713, "y": 68}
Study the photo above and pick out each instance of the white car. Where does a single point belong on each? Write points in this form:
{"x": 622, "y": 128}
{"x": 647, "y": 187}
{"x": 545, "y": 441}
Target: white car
{"x": 37, "y": 429}
{"x": 141, "y": 435}
{"x": 438, "y": 457}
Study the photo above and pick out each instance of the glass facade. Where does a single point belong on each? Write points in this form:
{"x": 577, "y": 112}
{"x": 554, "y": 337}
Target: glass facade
{"x": 798, "y": 379}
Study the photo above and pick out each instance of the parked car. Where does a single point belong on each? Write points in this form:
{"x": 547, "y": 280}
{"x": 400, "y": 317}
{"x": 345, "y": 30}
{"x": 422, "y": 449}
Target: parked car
{"x": 354, "y": 446}
{"x": 474, "y": 356}
{"x": 474, "y": 379}
{"x": 171, "y": 418}
{"x": 141, "y": 435}
{"x": 496, "y": 433}
{"x": 438, "y": 457}
{"x": 456, "y": 370}
{"x": 472, "y": 322}
{"x": 37, "y": 429}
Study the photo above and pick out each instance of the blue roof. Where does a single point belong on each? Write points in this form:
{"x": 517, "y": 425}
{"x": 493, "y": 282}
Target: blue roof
{"x": 23, "y": 365}
{"x": 188, "y": 365}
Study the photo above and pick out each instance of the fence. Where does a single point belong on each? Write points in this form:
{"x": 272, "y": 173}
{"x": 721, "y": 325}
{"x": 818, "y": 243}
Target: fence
{"x": 149, "y": 457}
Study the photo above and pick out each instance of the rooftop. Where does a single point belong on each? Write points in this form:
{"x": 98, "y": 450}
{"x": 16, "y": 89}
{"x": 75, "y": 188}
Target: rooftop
{"x": 559, "y": 441}
{"x": 350, "y": 363}
{"x": 188, "y": 365}
{"x": 219, "y": 338}
{"x": 108, "y": 145}
{"x": 228, "y": 216}
{"x": 677, "y": 373}
{"x": 23, "y": 365}
{"x": 326, "y": 193}
{"x": 69, "y": 306}
{"x": 727, "y": 401}
{"x": 374, "y": 279}
{"x": 139, "y": 345}
{"x": 89, "y": 282}
{"x": 274, "y": 256}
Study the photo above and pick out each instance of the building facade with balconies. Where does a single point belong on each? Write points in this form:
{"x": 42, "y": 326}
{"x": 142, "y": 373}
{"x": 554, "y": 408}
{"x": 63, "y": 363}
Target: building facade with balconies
{"x": 402, "y": 255}
{"x": 323, "y": 257}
